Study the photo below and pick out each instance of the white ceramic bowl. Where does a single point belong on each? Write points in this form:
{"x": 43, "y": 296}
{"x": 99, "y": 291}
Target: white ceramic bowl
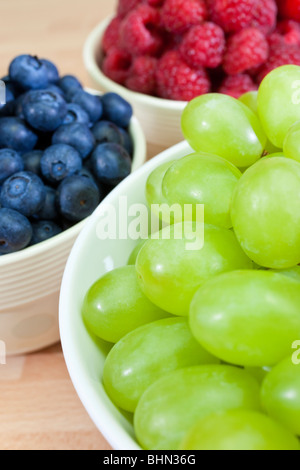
{"x": 160, "y": 118}
{"x": 30, "y": 281}
{"x": 90, "y": 258}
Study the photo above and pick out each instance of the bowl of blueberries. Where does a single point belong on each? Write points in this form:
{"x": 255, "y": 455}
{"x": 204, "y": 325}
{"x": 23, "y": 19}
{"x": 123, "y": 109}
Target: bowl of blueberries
{"x": 63, "y": 148}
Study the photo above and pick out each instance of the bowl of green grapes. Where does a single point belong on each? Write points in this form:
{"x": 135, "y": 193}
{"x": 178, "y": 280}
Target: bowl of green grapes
{"x": 179, "y": 306}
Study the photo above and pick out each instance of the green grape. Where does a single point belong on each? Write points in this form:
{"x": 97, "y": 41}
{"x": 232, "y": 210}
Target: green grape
{"x": 239, "y": 430}
{"x": 280, "y": 394}
{"x": 278, "y": 102}
{"x": 247, "y": 318}
{"x": 258, "y": 372}
{"x": 265, "y": 212}
{"x": 174, "y": 403}
{"x": 202, "y": 178}
{"x": 270, "y": 148}
{"x": 291, "y": 144}
{"x": 219, "y": 124}
{"x": 148, "y": 353}
{"x": 250, "y": 99}
{"x": 154, "y": 194}
{"x": 115, "y": 305}
{"x": 294, "y": 273}
{"x": 274, "y": 155}
{"x": 133, "y": 256}
{"x": 170, "y": 269}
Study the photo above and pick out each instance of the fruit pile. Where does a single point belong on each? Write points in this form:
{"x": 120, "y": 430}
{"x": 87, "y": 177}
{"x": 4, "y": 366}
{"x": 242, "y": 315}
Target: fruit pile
{"x": 205, "y": 337}
{"x": 180, "y": 49}
{"x": 62, "y": 150}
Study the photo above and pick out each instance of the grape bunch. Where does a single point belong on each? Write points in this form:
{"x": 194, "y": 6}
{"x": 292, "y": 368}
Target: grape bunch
{"x": 203, "y": 340}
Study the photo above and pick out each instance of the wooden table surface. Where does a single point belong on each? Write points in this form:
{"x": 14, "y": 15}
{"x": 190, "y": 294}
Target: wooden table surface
{"x": 39, "y": 408}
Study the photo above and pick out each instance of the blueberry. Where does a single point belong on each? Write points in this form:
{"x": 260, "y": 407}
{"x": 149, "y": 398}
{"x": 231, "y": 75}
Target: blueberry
{"x": 44, "y": 230}
{"x": 60, "y": 161}
{"x": 32, "y": 161}
{"x": 44, "y": 140}
{"x": 5, "y": 79}
{"x": 23, "y": 192}
{"x": 44, "y": 110}
{"x": 9, "y": 96}
{"x": 7, "y": 103}
{"x": 126, "y": 141}
{"x": 66, "y": 224}
{"x": 53, "y": 75}
{"x": 49, "y": 210}
{"x": 110, "y": 163}
{"x": 8, "y": 109}
{"x": 77, "y": 135}
{"x": 29, "y": 72}
{"x": 10, "y": 163}
{"x": 19, "y": 106}
{"x": 78, "y": 197}
{"x": 106, "y": 131}
{"x": 69, "y": 84}
{"x": 15, "y": 134}
{"x": 15, "y": 231}
{"x": 116, "y": 109}
{"x": 57, "y": 90}
{"x": 13, "y": 87}
{"x": 86, "y": 173}
{"x": 92, "y": 104}
{"x": 75, "y": 113}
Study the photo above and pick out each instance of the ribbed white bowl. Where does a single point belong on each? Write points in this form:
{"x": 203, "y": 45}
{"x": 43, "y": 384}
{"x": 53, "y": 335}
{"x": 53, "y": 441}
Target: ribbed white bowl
{"x": 30, "y": 281}
{"x": 160, "y": 118}
{"x": 90, "y": 258}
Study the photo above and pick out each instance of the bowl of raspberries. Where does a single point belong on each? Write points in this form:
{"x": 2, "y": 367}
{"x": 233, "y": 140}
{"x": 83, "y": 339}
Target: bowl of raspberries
{"x": 63, "y": 148}
{"x": 159, "y": 54}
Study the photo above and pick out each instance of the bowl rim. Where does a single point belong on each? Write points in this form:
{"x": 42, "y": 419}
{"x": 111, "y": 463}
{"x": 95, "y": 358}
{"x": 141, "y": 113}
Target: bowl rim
{"x": 139, "y": 158}
{"x": 115, "y": 432}
{"x": 98, "y": 76}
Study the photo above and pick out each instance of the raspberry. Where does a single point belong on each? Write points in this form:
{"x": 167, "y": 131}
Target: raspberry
{"x": 275, "y": 39}
{"x": 116, "y": 65}
{"x": 203, "y": 45}
{"x": 155, "y": 3}
{"x": 216, "y": 77}
{"x": 125, "y": 6}
{"x": 177, "y": 16}
{"x": 177, "y": 81}
{"x": 289, "y": 9}
{"x": 172, "y": 41}
{"x": 290, "y": 31}
{"x": 287, "y": 33}
{"x": 245, "y": 50}
{"x": 237, "y": 85}
{"x": 112, "y": 34}
{"x": 288, "y": 26}
{"x": 282, "y": 55}
{"x": 142, "y": 75}
{"x": 265, "y": 15}
{"x": 139, "y": 34}
{"x": 232, "y": 15}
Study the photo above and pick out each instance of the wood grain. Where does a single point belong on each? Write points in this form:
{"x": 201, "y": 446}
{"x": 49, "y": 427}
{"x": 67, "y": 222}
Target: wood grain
{"x": 54, "y": 29}
{"x": 39, "y": 408}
